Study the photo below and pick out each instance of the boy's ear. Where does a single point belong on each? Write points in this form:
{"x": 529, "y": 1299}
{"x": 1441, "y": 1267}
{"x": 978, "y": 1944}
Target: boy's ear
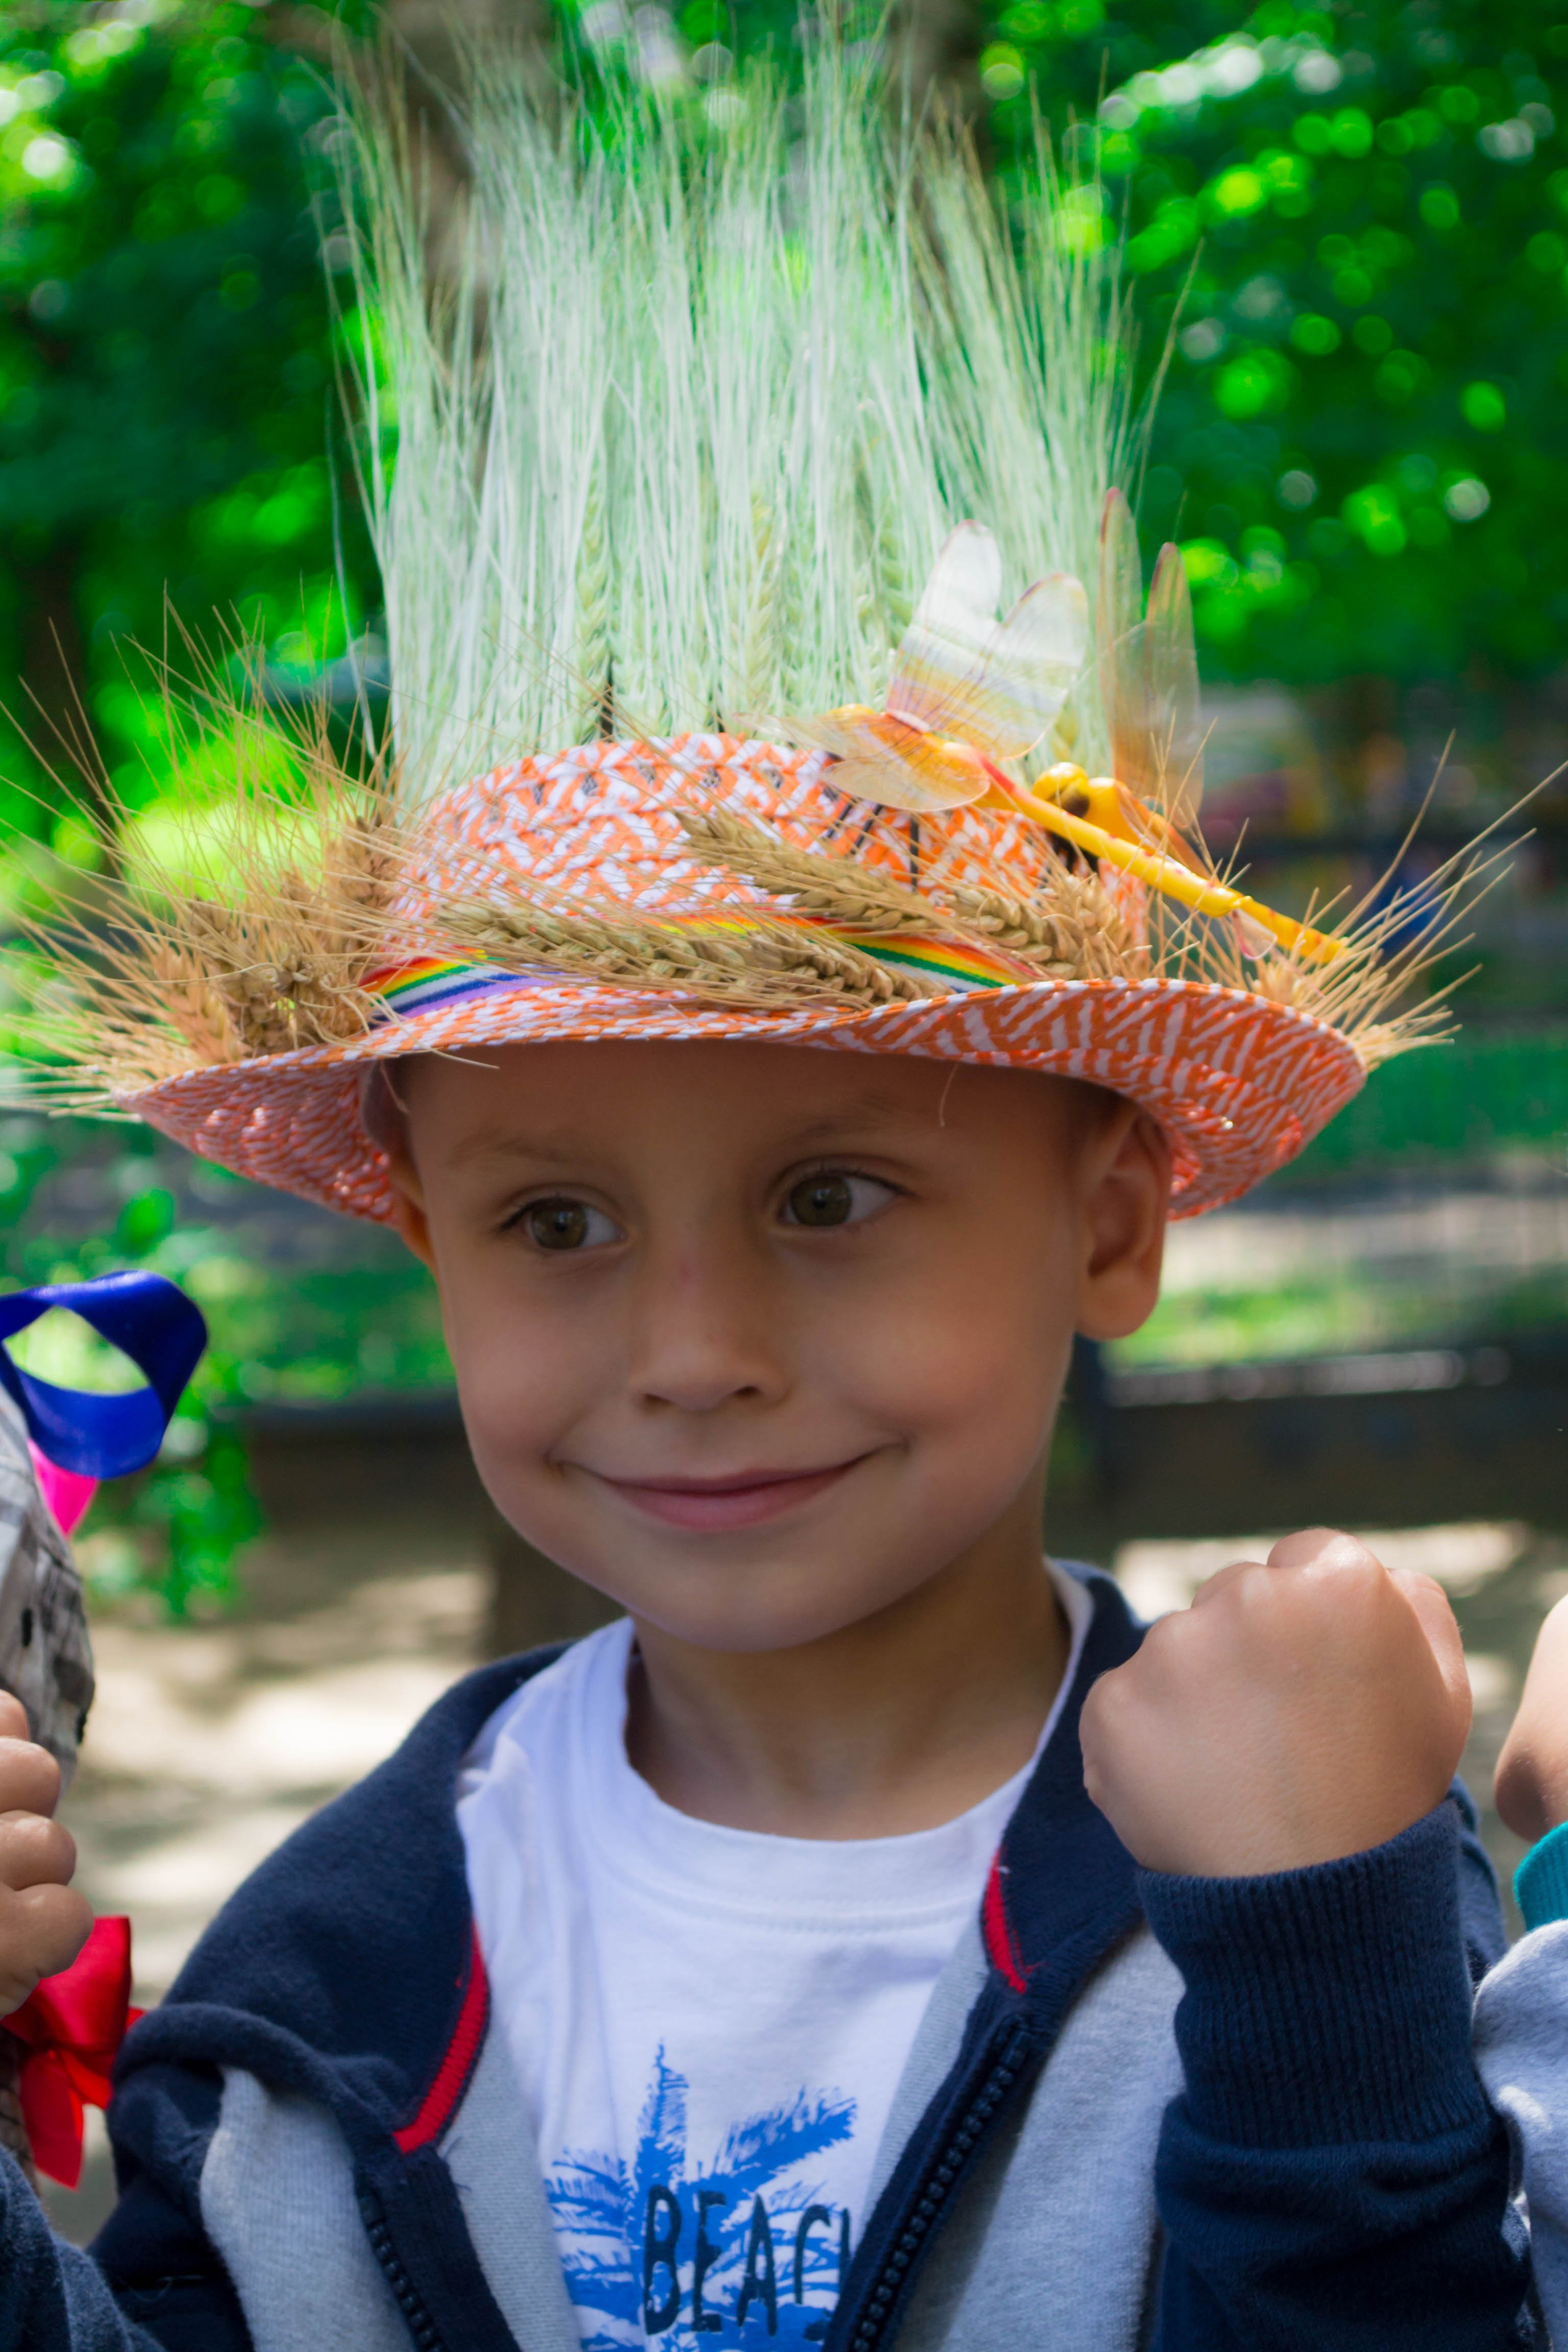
{"x": 386, "y": 1121}
{"x": 1125, "y": 1202}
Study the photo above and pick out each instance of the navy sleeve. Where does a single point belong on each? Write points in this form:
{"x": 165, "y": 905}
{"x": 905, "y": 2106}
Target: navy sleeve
{"x": 163, "y": 2269}
{"x": 53, "y": 2295}
{"x": 153, "y": 2282}
{"x": 1480, "y": 1906}
{"x": 1331, "y": 2174}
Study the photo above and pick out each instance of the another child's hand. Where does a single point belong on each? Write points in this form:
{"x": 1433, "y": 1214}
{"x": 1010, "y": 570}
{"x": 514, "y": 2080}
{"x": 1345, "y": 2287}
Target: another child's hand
{"x": 1531, "y": 1785}
{"x": 1294, "y": 1714}
{"x": 43, "y": 1922}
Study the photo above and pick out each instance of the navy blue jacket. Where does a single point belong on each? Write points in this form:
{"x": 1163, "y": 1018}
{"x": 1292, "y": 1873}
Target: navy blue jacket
{"x": 1332, "y": 2176}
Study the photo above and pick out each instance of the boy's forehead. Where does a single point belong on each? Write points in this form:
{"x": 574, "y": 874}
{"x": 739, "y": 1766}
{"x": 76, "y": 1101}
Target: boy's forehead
{"x": 549, "y": 1100}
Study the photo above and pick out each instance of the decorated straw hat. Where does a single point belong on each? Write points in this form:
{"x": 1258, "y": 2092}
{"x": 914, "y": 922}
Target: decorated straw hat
{"x": 699, "y": 483}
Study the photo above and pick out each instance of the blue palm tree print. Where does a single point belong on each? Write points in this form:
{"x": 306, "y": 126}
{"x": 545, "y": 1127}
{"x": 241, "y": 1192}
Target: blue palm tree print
{"x": 692, "y": 2257}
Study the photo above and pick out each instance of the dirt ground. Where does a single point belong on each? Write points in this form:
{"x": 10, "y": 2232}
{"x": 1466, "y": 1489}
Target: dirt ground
{"x": 210, "y": 1743}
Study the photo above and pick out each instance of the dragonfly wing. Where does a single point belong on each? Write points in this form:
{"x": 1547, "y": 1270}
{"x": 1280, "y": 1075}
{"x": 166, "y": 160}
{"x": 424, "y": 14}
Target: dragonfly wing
{"x": 1172, "y": 674}
{"x": 945, "y": 645}
{"x": 1025, "y": 670}
{"x": 1129, "y": 715}
{"x": 827, "y": 732}
{"x": 1121, "y": 588}
{"x": 961, "y": 672}
{"x": 965, "y": 579}
{"x": 1122, "y": 644}
{"x": 918, "y": 780}
{"x": 910, "y": 771}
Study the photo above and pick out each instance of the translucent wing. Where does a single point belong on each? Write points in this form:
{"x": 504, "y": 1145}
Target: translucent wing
{"x": 1031, "y": 663}
{"x": 961, "y": 672}
{"x": 1119, "y": 603}
{"x": 1150, "y": 672}
{"x": 909, "y": 771}
{"x": 946, "y": 644}
{"x": 1172, "y": 669}
{"x": 1123, "y": 650}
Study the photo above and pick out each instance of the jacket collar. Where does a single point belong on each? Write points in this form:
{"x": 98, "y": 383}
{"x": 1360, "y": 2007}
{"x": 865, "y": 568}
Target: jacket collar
{"x": 345, "y": 1967}
{"x": 1063, "y": 1886}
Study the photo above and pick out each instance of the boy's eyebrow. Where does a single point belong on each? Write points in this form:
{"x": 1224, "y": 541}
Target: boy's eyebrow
{"x": 873, "y": 1111}
{"x": 499, "y": 1143}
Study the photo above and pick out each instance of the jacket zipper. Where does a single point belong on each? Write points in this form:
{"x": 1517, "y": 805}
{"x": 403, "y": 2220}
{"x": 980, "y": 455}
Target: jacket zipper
{"x": 927, "y": 2197}
{"x": 427, "y": 2335}
{"x": 935, "y": 2187}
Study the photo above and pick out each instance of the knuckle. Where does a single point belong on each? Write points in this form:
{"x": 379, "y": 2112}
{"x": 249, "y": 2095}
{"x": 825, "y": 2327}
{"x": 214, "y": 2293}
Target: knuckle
{"x": 58, "y": 1916}
{"x": 1321, "y": 1548}
{"x": 34, "y": 1844}
{"x": 28, "y": 1771}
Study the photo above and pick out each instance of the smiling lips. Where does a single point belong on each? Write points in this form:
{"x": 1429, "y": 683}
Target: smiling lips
{"x": 713, "y": 1506}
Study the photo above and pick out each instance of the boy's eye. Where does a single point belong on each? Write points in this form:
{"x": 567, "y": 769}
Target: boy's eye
{"x": 567, "y": 1225}
{"x": 833, "y": 1198}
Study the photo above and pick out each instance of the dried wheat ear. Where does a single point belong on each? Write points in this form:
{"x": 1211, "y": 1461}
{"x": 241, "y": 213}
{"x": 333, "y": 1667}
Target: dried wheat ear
{"x": 178, "y": 981}
{"x": 1071, "y": 929}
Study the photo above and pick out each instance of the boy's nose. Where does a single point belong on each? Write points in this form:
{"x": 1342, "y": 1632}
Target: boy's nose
{"x": 704, "y": 1337}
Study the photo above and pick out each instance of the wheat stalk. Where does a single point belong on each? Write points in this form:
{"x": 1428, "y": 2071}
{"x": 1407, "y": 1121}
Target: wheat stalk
{"x": 708, "y": 388}
{"x": 829, "y": 889}
{"x": 763, "y": 964}
{"x": 249, "y": 929}
{"x": 1071, "y": 930}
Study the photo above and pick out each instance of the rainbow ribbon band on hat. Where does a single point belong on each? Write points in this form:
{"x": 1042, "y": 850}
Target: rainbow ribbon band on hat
{"x": 427, "y": 982}
{"x": 148, "y": 1320}
{"x": 960, "y": 967}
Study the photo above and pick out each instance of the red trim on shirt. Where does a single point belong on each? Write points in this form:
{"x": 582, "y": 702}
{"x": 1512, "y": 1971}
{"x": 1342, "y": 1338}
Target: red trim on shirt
{"x": 1001, "y": 1944}
{"x": 437, "y": 2105}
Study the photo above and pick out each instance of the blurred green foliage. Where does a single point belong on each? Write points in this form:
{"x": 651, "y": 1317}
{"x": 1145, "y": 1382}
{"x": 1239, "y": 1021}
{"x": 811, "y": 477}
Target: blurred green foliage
{"x": 1477, "y": 1101}
{"x": 1356, "y": 214}
{"x": 165, "y": 358}
{"x": 1366, "y": 210}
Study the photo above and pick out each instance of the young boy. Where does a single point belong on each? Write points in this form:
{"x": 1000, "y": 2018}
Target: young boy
{"x": 874, "y": 1938}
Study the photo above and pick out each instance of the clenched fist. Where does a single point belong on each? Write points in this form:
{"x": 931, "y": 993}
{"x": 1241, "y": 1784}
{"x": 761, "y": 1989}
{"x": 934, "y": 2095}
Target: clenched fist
{"x": 43, "y": 1923}
{"x": 1533, "y": 1771}
{"x": 1295, "y": 1712}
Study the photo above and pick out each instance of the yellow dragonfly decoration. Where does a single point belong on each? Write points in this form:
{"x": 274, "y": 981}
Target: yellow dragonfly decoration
{"x": 1136, "y": 817}
{"x": 970, "y": 692}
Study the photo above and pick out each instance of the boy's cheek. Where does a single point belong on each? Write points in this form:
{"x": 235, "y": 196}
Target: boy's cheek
{"x": 520, "y": 1395}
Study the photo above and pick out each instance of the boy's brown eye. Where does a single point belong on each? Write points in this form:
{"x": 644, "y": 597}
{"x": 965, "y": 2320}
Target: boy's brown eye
{"x": 826, "y": 1200}
{"x": 566, "y": 1225}
{"x": 557, "y": 1225}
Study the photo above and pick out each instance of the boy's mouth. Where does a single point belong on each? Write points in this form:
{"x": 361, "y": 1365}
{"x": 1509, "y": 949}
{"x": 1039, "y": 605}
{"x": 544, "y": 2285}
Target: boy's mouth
{"x": 744, "y": 1499}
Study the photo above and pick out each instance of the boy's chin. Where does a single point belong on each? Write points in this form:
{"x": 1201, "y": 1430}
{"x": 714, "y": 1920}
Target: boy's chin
{"x": 745, "y": 1609}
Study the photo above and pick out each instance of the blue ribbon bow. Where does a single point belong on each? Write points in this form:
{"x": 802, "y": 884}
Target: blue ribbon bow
{"x": 148, "y": 1320}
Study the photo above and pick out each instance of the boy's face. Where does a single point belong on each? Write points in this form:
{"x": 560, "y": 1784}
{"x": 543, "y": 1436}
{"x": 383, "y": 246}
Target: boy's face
{"x": 757, "y": 1339}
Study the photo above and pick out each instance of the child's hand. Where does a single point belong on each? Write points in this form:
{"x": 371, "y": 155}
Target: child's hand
{"x": 1294, "y": 1714}
{"x": 43, "y": 1922}
{"x": 1532, "y": 1784}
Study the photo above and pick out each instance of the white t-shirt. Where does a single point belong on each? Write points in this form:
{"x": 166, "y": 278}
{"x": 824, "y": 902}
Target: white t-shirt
{"x": 709, "y": 2024}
